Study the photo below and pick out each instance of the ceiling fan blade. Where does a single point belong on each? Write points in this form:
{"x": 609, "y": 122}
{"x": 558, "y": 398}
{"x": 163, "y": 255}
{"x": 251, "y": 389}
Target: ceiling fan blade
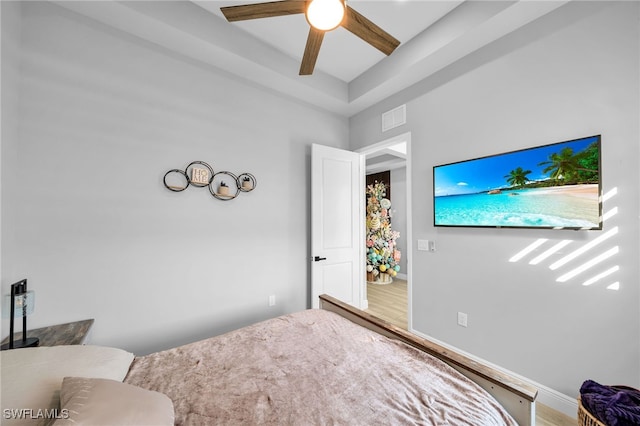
{"x": 311, "y": 51}
{"x": 369, "y": 32}
{"x": 263, "y": 10}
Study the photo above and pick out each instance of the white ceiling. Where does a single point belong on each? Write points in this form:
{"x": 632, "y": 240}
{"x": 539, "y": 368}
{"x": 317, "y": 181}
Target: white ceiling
{"x": 390, "y": 158}
{"x": 350, "y": 75}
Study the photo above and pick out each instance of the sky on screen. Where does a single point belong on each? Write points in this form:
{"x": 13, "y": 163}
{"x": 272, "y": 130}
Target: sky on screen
{"x": 482, "y": 174}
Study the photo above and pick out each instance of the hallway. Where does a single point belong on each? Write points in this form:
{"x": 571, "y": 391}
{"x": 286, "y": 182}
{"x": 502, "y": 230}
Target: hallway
{"x": 389, "y": 302}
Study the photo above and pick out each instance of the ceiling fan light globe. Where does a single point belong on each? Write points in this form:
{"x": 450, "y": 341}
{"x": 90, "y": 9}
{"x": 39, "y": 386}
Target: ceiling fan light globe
{"x": 325, "y": 15}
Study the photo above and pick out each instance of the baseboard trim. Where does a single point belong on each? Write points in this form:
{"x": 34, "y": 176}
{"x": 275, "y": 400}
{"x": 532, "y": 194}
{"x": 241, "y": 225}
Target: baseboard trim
{"x": 556, "y": 400}
{"x": 402, "y": 276}
{"x": 547, "y": 396}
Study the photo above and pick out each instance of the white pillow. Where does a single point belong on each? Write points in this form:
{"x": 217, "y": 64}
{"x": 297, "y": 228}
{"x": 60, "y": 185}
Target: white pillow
{"x": 103, "y": 402}
{"x": 32, "y": 377}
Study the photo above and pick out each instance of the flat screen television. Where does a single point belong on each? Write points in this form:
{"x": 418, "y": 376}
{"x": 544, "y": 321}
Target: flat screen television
{"x": 555, "y": 186}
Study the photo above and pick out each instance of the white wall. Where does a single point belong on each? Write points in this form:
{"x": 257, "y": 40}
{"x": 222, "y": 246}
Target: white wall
{"x": 102, "y": 117}
{"x": 9, "y": 103}
{"x": 570, "y": 74}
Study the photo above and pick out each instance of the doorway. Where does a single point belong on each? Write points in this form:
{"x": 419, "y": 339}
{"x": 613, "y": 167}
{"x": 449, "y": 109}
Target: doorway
{"x": 393, "y": 155}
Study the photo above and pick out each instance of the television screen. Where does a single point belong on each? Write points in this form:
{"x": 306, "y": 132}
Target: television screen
{"x": 554, "y": 186}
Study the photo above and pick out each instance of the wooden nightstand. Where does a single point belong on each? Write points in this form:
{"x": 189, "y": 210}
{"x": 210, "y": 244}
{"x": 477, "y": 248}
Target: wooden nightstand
{"x": 72, "y": 333}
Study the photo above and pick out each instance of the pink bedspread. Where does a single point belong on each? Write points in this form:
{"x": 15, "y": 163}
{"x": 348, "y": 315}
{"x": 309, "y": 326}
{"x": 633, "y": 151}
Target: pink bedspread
{"x": 312, "y": 368}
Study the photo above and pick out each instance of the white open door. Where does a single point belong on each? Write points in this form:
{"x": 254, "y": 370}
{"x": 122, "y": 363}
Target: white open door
{"x": 337, "y": 222}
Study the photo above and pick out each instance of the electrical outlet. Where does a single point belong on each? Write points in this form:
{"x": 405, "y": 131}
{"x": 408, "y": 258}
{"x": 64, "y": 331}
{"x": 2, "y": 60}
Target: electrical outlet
{"x": 272, "y": 300}
{"x": 462, "y": 319}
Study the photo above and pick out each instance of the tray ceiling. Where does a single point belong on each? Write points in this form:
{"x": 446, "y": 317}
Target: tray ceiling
{"x": 350, "y": 75}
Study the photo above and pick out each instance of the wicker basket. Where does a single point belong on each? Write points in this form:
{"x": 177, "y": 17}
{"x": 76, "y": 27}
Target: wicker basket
{"x": 585, "y": 418}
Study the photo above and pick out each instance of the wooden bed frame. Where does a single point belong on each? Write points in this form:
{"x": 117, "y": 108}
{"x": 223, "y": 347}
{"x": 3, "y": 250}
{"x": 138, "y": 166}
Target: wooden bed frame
{"x": 516, "y": 396}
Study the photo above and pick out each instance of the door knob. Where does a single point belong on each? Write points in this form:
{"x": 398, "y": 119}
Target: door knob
{"x": 318, "y": 258}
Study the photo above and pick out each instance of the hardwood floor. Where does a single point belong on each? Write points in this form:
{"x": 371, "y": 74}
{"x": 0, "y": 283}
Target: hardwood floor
{"x": 546, "y": 416}
{"x": 389, "y": 302}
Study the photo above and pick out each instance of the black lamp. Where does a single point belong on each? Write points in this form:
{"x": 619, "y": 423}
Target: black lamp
{"x": 24, "y": 301}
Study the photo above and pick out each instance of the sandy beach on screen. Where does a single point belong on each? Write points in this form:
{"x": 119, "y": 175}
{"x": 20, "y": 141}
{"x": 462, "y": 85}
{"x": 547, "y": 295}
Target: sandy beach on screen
{"x": 583, "y": 191}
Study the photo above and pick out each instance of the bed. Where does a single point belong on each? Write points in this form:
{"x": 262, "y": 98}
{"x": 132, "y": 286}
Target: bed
{"x": 336, "y": 365}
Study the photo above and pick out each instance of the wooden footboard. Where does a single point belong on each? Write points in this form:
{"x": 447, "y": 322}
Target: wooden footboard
{"x": 516, "y": 396}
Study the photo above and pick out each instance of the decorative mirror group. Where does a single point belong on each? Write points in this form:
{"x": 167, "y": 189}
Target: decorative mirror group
{"x": 222, "y": 185}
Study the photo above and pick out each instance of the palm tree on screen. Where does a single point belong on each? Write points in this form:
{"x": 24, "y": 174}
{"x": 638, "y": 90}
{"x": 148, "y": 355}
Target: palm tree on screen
{"x": 565, "y": 166}
{"x": 517, "y": 177}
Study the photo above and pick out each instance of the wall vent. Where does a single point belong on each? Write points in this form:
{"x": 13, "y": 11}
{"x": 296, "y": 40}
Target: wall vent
{"x": 394, "y": 118}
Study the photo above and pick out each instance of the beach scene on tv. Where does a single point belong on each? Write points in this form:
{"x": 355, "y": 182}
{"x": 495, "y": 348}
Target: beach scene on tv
{"x": 551, "y": 186}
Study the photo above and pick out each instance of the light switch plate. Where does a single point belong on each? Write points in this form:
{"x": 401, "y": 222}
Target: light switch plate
{"x": 426, "y": 245}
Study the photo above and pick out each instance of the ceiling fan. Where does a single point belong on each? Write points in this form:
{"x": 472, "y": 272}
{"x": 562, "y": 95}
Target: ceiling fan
{"x": 323, "y": 16}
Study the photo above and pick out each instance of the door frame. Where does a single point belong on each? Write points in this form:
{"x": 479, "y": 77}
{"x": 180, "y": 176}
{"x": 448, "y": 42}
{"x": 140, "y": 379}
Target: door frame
{"x": 369, "y": 149}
